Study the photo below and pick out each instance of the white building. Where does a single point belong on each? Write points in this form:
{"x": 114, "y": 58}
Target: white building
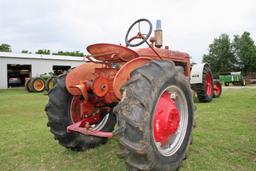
{"x": 33, "y": 65}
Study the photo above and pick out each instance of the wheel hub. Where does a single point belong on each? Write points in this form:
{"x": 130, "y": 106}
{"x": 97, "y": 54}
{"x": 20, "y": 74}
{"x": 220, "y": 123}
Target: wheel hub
{"x": 39, "y": 85}
{"x": 217, "y": 89}
{"x": 166, "y": 118}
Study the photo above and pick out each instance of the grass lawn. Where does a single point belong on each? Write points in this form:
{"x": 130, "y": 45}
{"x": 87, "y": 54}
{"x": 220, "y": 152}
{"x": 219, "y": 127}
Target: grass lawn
{"x": 224, "y": 139}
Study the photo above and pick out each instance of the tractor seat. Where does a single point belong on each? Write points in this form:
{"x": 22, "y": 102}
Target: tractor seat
{"x": 111, "y": 52}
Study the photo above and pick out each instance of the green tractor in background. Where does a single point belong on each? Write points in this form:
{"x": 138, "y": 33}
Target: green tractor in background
{"x": 39, "y": 84}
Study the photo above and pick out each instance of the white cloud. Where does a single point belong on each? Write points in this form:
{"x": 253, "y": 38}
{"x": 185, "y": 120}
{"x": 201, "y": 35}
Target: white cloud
{"x": 70, "y": 25}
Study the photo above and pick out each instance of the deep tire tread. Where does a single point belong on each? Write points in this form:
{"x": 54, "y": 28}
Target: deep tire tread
{"x": 58, "y": 119}
{"x": 135, "y": 149}
{"x": 200, "y": 89}
{"x": 133, "y": 146}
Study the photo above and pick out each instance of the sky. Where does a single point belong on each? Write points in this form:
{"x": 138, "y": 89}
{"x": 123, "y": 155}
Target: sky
{"x": 70, "y": 25}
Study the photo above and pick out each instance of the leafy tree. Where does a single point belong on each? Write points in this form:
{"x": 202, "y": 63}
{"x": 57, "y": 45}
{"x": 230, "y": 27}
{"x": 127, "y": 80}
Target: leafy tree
{"x": 245, "y": 51}
{"x": 66, "y": 53}
{"x": 220, "y": 56}
{"x": 43, "y": 51}
{"x": 25, "y": 51}
{"x": 5, "y": 48}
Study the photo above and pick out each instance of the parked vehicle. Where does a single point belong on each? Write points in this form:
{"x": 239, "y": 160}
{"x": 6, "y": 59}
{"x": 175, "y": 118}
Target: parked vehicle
{"x": 14, "y": 81}
{"x": 39, "y": 84}
{"x": 143, "y": 93}
{"x": 14, "y": 78}
{"x": 235, "y": 78}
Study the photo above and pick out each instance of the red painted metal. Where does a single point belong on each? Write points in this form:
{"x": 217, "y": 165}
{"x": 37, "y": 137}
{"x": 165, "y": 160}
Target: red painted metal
{"x": 78, "y": 127}
{"x": 217, "y": 88}
{"x": 208, "y": 81}
{"x": 166, "y": 54}
{"x": 100, "y": 86}
{"x": 80, "y": 109}
{"x": 111, "y": 52}
{"x": 123, "y": 75}
{"x": 82, "y": 88}
{"x": 83, "y": 114}
{"x": 106, "y": 77}
{"x": 84, "y": 72}
{"x": 166, "y": 119}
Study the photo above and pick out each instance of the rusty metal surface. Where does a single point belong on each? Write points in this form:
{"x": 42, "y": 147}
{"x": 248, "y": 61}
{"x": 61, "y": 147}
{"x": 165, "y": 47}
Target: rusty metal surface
{"x": 175, "y": 56}
{"x": 123, "y": 75}
{"x": 111, "y": 52}
{"x": 100, "y": 86}
{"x": 81, "y": 73}
{"x": 164, "y": 53}
{"x": 107, "y": 76}
{"x": 81, "y": 87}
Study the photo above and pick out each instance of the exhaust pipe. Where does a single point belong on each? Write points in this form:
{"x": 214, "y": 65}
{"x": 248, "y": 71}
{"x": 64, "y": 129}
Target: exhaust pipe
{"x": 158, "y": 35}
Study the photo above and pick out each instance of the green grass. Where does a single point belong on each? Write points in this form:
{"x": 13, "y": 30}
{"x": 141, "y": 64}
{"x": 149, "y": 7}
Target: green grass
{"x": 224, "y": 139}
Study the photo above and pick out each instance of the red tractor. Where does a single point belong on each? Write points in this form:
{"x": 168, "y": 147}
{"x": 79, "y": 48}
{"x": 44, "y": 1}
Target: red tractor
{"x": 142, "y": 96}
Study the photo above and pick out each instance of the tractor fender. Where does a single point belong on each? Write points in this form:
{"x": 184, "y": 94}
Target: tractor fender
{"x": 123, "y": 74}
{"x": 81, "y": 73}
{"x": 196, "y": 75}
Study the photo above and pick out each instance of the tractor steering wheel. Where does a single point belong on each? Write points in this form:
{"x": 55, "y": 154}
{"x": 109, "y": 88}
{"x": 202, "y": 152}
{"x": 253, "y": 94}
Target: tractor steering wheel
{"x": 140, "y": 35}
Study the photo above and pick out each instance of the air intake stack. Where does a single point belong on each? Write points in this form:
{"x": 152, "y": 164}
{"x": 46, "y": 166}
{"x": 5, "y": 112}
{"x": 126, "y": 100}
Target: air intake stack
{"x": 158, "y": 34}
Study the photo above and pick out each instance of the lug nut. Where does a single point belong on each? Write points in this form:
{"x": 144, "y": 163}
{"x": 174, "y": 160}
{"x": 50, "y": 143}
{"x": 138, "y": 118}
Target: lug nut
{"x": 173, "y": 96}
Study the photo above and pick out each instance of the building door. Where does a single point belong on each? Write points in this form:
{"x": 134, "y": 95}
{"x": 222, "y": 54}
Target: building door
{"x": 17, "y": 74}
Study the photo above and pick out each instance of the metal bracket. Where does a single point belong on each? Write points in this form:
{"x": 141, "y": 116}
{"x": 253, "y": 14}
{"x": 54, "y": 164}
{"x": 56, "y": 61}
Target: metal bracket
{"x": 82, "y": 88}
{"x": 77, "y": 127}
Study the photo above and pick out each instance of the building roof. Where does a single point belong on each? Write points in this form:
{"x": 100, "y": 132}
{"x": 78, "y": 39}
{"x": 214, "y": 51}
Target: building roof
{"x": 39, "y": 56}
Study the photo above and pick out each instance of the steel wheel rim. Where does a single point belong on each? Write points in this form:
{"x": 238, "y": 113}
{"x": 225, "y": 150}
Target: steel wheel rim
{"x": 217, "y": 89}
{"x": 50, "y": 84}
{"x": 102, "y": 123}
{"x": 39, "y": 85}
{"x": 175, "y": 141}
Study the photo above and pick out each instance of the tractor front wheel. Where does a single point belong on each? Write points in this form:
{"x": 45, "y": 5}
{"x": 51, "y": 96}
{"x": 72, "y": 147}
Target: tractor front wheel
{"x": 217, "y": 88}
{"x": 37, "y": 84}
{"x": 28, "y": 85}
{"x": 63, "y": 110}
{"x": 155, "y": 117}
{"x": 50, "y": 83}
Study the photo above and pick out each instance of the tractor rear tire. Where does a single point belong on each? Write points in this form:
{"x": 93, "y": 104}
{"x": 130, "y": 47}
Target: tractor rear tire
{"x": 217, "y": 88}
{"x": 37, "y": 84}
{"x": 50, "y": 83}
{"x": 203, "y": 93}
{"x": 58, "y": 112}
{"x": 28, "y": 85}
{"x": 136, "y": 113}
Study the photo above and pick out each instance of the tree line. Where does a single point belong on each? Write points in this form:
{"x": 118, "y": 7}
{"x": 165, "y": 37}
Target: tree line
{"x": 7, "y": 48}
{"x": 226, "y": 55}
